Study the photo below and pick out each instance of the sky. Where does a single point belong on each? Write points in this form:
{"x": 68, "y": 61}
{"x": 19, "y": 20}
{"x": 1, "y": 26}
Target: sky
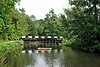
{"x": 40, "y": 8}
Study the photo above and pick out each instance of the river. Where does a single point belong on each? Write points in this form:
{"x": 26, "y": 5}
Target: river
{"x": 66, "y": 57}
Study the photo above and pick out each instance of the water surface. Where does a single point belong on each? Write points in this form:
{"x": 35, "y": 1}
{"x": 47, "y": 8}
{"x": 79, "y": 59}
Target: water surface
{"x": 59, "y": 58}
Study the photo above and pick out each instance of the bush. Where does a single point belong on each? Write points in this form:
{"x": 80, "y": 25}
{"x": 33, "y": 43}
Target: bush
{"x": 66, "y": 42}
{"x": 9, "y": 50}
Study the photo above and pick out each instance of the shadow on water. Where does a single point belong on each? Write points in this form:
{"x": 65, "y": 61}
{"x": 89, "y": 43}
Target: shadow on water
{"x": 66, "y": 57}
{"x": 81, "y": 59}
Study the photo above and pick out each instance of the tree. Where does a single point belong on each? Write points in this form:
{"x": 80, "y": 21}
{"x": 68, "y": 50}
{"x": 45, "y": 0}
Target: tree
{"x": 24, "y": 24}
{"x": 6, "y": 11}
{"x": 52, "y": 24}
{"x": 83, "y": 19}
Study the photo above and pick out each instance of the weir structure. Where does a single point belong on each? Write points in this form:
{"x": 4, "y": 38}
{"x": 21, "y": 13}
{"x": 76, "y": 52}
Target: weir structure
{"x": 38, "y": 42}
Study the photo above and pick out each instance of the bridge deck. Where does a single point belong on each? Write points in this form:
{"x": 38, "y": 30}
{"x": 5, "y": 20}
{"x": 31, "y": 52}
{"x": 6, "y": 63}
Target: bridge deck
{"x": 41, "y": 41}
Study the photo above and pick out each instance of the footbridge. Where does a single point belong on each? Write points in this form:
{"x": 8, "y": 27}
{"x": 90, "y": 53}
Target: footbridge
{"x": 34, "y": 42}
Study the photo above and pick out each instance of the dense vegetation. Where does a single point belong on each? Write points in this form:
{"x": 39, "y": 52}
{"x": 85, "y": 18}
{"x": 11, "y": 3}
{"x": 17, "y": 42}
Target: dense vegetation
{"x": 84, "y": 19}
{"x": 13, "y": 23}
{"x": 80, "y": 24}
{"x": 9, "y": 52}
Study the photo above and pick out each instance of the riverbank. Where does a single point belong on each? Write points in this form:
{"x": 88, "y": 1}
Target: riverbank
{"x": 8, "y": 51}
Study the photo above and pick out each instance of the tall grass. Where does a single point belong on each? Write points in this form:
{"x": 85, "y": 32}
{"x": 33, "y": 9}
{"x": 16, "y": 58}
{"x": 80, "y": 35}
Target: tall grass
{"x": 8, "y": 52}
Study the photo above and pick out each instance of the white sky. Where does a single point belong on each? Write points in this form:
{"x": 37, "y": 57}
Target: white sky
{"x": 40, "y": 8}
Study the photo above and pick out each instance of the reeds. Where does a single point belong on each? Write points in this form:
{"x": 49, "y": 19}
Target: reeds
{"x": 9, "y": 52}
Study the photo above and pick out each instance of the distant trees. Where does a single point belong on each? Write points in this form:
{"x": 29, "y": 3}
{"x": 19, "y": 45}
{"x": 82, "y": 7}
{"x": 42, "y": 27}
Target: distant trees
{"x": 81, "y": 22}
{"x": 50, "y": 25}
{"x": 23, "y": 23}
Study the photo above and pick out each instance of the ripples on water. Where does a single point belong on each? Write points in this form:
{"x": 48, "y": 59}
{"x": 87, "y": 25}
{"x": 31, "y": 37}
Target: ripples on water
{"x": 45, "y": 58}
{"x": 59, "y": 58}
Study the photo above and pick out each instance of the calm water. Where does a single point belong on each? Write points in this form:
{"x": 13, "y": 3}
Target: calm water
{"x": 62, "y": 58}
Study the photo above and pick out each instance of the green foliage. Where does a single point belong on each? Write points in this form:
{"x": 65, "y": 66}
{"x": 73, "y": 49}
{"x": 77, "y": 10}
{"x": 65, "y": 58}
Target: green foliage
{"x": 6, "y": 12}
{"x": 50, "y": 25}
{"x": 83, "y": 20}
{"x": 1, "y": 26}
{"x": 23, "y": 23}
{"x": 80, "y": 24}
{"x": 8, "y": 51}
{"x": 66, "y": 42}
{"x": 13, "y": 23}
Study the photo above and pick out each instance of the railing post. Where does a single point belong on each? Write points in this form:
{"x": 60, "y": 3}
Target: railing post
{"x": 41, "y": 41}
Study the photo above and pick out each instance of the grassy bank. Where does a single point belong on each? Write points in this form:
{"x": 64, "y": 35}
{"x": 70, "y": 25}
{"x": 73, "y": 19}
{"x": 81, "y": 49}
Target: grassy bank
{"x": 8, "y": 51}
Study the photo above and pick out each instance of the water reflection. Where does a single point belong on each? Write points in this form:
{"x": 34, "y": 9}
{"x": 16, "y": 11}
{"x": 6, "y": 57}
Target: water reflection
{"x": 62, "y": 58}
{"x": 81, "y": 59}
{"x": 45, "y": 59}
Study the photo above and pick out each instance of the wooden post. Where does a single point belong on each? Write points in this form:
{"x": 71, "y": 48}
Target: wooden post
{"x": 55, "y": 38}
{"x": 49, "y": 40}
